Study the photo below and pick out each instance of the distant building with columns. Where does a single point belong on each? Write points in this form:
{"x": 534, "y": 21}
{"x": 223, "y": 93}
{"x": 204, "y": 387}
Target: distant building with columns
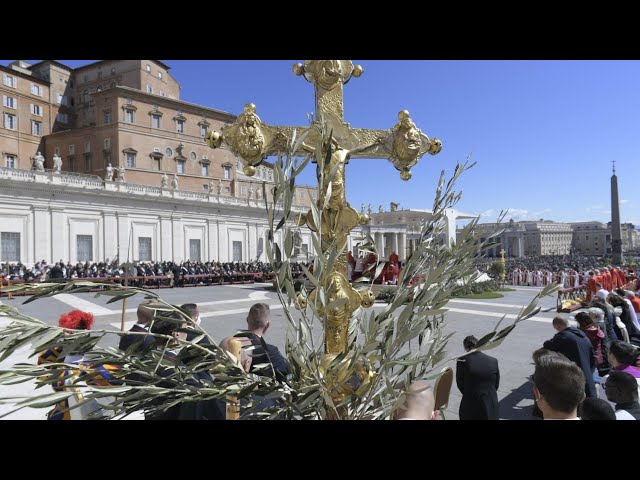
{"x": 545, "y": 237}
{"x": 82, "y": 218}
{"x": 529, "y": 238}
{"x": 398, "y": 231}
{"x": 594, "y": 238}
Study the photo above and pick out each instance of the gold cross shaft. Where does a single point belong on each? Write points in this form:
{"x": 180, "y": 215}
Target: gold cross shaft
{"x": 253, "y": 140}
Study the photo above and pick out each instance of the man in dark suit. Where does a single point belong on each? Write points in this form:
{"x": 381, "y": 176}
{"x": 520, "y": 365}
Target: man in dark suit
{"x": 258, "y": 322}
{"x": 212, "y": 409}
{"x": 194, "y": 313}
{"x": 145, "y": 316}
{"x": 574, "y": 344}
{"x": 478, "y": 378}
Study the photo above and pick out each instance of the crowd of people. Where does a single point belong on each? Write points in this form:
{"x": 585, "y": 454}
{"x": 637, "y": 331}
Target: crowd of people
{"x": 138, "y": 342}
{"x": 568, "y": 271}
{"x": 42, "y": 271}
{"x": 554, "y": 263}
{"x": 142, "y": 273}
{"x": 589, "y": 371}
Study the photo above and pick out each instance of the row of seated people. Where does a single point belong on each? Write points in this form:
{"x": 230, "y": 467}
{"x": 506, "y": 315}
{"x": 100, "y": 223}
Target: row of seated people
{"x": 146, "y": 274}
{"x": 138, "y": 342}
{"x": 419, "y": 404}
{"x": 42, "y": 271}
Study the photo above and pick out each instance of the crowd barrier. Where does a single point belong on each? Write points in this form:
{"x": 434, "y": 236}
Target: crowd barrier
{"x": 577, "y": 294}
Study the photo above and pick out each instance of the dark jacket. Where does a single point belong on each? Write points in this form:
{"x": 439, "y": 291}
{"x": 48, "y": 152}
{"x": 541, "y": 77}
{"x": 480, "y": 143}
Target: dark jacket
{"x": 272, "y": 355}
{"x": 478, "y": 379}
{"x": 574, "y": 344}
{"x": 143, "y": 341}
{"x": 56, "y": 273}
{"x": 632, "y": 408}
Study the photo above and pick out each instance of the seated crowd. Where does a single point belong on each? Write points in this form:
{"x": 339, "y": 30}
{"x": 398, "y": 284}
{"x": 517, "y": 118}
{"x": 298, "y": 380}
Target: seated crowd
{"x": 138, "y": 342}
{"x": 142, "y": 273}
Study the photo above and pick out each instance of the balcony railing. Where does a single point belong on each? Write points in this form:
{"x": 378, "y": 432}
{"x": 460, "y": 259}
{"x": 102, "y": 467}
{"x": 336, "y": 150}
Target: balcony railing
{"x": 93, "y": 182}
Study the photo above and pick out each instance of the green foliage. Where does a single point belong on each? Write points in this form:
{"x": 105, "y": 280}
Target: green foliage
{"x": 386, "y": 294}
{"x": 477, "y": 287}
{"x": 496, "y": 269}
{"x": 405, "y": 341}
{"x": 482, "y": 296}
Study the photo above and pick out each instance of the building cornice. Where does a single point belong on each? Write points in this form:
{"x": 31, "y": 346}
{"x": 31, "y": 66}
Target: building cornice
{"x": 128, "y": 92}
{"x": 24, "y": 75}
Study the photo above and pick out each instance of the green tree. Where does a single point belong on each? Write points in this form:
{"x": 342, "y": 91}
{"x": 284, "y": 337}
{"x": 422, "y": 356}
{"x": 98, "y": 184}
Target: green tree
{"x": 496, "y": 269}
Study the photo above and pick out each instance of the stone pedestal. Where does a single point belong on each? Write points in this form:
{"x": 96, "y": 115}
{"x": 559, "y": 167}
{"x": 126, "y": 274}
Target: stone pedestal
{"x": 41, "y": 177}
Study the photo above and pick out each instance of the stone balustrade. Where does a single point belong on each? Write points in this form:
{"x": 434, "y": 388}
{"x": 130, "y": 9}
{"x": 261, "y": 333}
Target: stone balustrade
{"x": 92, "y": 182}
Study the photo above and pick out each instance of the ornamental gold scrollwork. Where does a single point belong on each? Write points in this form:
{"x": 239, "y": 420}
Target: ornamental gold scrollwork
{"x": 246, "y": 138}
{"x": 328, "y": 74}
{"x": 408, "y": 144}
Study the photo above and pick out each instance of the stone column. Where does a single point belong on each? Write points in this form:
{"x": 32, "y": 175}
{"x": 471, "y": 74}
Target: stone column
{"x": 110, "y": 235}
{"x": 252, "y": 241}
{"x": 59, "y": 250}
{"x": 450, "y": 226}
{"x": 616, "y": 230}
{"x": 394, "y": 243}
{"x": 223, "y": 239}
{"x": 42, "y": 239}
{"x": 402, "y": 246}
{"x": 166, "y": 239}
{"x": 379, "y": 239}
{"x": 214, "y": 242}
{"x": 122, "y": 245}
{"x": 178, "y": 239}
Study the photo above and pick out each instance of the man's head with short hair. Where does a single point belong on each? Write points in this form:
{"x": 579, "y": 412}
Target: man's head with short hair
{"x": 560, "y": 323}
{"x": 469, "y": 343}
{"x": 596, "y": 409}
{"x": 192, "y": 310}
{"x": 419, "y": 403}
{"x": 621, "y": 387}
{"x": 172, "y": 325}
{"x": 622, "y": 353}
{"x": 258, "y": 318}
{"x": 145, "y": 314}
{"x": 558, "y": 387}
{"x": 543, "y": 352}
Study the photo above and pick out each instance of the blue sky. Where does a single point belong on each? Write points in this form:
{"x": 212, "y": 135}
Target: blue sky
{"x": 543, "y": 133}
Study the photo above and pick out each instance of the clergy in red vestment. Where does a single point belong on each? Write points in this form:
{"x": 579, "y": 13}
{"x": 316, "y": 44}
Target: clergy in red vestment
{"x": 622, "y": 278}
{"x": 607, "y": 281}
{"x": 592, "y": 285}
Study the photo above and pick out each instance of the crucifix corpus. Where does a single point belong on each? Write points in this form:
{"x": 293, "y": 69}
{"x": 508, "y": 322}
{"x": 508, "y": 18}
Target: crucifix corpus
{"x": 404, "y": 144}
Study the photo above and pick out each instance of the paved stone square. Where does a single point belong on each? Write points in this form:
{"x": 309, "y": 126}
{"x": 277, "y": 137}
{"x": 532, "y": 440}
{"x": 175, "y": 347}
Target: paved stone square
{"x": 224, "y": 308}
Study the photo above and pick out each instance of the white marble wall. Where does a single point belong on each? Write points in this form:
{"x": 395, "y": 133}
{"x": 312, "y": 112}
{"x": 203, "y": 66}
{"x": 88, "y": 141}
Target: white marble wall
{"x": 48, "y": 215}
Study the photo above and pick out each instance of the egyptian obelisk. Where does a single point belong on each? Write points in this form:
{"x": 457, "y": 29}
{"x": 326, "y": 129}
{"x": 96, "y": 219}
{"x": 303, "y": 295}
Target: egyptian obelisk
{"x": 616, "y": 231}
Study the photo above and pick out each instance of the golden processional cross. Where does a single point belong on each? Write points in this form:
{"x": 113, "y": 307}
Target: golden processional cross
{"x": 404, "y": 144}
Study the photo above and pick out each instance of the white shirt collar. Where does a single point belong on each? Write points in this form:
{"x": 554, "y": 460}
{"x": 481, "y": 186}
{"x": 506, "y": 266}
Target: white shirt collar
{"x": 576, "y": 418}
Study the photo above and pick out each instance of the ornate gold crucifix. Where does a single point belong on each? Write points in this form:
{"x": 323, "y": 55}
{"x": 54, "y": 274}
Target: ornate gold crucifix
{"x": 404, "y": 144}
